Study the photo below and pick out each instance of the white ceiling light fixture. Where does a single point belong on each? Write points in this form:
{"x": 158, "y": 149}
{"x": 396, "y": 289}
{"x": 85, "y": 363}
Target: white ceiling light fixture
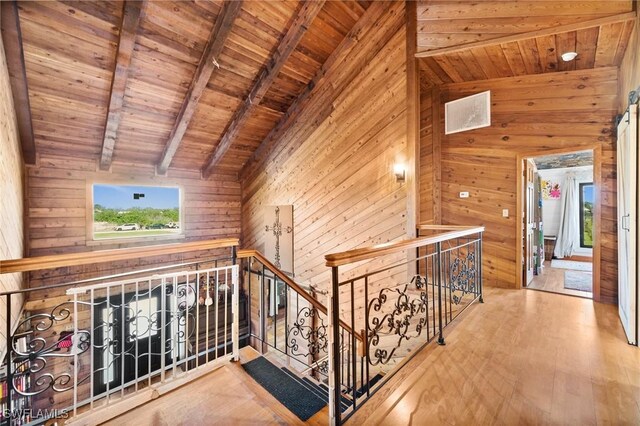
{"x": 568, "y": 56}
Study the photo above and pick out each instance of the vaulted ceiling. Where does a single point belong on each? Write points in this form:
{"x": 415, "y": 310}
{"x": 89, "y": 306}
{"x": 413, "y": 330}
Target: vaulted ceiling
{"x": 459, "y": 41}
{"x": 203, "y": 84}
{"x": 182, "y": 84}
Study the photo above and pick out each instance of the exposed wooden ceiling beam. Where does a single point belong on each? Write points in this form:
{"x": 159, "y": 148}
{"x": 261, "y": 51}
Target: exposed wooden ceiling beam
{"x": 205, "y": 70}
{"x": 621, "y": 17}
{"x": 126, "y": 43}
{"x": 298, "y": 28}
{"x": 12, "y": 38}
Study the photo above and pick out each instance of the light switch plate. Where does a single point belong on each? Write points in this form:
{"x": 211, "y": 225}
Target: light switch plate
{"x": 505, "y": 212}
{"x": 464, "y": 194}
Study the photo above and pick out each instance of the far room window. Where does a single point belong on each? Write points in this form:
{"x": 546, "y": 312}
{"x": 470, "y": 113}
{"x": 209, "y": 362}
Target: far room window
{"x": 129, "y": 211}
{"x": 586, "y": 215}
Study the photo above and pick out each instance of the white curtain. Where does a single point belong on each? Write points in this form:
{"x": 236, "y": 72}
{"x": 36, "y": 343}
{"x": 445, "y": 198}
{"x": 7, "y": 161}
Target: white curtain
{"x": 569, "y": 231}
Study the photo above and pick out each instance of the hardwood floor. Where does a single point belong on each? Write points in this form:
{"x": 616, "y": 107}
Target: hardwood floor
{"x": 552, "y": 279}
{"x": 523, "y": 357}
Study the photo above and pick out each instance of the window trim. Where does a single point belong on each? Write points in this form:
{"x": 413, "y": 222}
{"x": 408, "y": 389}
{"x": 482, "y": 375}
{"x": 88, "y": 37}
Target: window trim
{"x": 90, "y": 239}
{"x": 581, "y": 203}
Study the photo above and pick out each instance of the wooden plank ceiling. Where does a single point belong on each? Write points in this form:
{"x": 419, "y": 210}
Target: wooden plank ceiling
{"x": 78, "y": 55}
{"x": 459, "y": 41}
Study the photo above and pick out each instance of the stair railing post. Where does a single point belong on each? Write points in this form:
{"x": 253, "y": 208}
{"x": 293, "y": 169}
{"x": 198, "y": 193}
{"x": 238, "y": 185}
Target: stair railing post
{"x": 439, "y": 281}
{"x": 334, "y": 349}
{"x": 235, "y": 311}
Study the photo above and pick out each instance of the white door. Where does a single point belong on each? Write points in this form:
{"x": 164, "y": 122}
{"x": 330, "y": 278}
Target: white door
{"x": 530, "y": 224}
{"x": 627, "y": 198}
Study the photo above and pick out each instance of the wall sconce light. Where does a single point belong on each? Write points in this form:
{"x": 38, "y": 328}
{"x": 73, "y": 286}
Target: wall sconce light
{"x": 399, "y": 172}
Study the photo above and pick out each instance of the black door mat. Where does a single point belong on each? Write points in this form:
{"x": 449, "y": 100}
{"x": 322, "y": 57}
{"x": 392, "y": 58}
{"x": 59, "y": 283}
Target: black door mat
{"x": 286, "y": 389}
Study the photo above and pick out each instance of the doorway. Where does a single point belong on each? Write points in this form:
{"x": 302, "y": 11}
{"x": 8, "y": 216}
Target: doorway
{"x": 557, "y": 226}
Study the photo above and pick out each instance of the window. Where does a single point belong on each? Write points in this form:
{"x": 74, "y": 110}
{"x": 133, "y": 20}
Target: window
{"x": 127, "y": 211}
{"x": 586, "y": 215}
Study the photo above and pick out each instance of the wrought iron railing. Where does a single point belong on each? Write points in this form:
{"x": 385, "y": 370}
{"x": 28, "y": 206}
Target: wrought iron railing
{"x": 401, "y": 295}
{"x": 118, "y": 338}
{"x": 287, "y": 318}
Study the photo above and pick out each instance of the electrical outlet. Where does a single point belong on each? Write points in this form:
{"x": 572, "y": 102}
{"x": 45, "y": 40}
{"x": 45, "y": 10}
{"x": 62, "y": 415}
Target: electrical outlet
{"x": 505, "y": 212}
{"x": 464, "y": 194}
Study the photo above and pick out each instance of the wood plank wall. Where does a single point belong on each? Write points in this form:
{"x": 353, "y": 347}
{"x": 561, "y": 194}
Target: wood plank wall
{"x": 11, "y": 190}
{"x": 529, "y": 114}
{"x": 59, "y": 204}
{"x": 335, "y": 165}
{"x": 426, "y": 204}
{"x": 630, "y": 67}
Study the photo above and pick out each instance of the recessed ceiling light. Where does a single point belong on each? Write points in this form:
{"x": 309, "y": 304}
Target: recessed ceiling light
{"x": 568, "y": 56}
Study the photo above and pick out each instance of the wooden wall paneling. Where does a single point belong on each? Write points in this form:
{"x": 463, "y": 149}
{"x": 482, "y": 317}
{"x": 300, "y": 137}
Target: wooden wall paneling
{"x": 413, "y": 122}
{"x": 426, "y": 158}
{"x": 344, "y": 193}
{"x": 208, "y": 64}
{"x": 437, "y": 130}
{"x": 564, "y": 110}
{"x": 268, "y": 147}
{"x": 14, "y": 57}
{"x": 298, "y": 27}
{"x": 130, "y": 20}
{"x": 12, "y": 243}
{"x": 629, "y": 72}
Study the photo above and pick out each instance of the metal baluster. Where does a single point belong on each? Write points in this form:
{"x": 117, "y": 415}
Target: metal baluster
{"x": 197, "y": 346}
{"x": 448, "y": 280}
{"x": 206, "y": 326}
{"x": 249, "y": 297}
{"x": 8, "y": 332}
{"x": 226, "y": 303}
{"x": 236, "y": 311}
{"x": 135, "y": 315}
{"x": 286, "y": 319}
{"x": 439, "y": 256}
{"x": 426, "y": 293}
{"x": 175, "y": 321}
{"x": 91, "y": 350}
{"x": 74, "y": 348}
{"x": 186, "y": 322}
{"x": 108, "y": 345}
{"x": 163, "y": 322}
{"x": 263, "y": 322}
{"x": 433, "y": 291}
{"x": 122, "y": 339}
{"x": 217, "y": 315}
{"x": 334, "y": 344}
{"x": 353, "y": 347}
{"x": 273, "y": 298}
{"x": 150, "y": 331}
{"x": 366, "y": 327}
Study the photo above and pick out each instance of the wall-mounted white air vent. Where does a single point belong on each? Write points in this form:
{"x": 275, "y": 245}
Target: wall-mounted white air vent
{"x": 468, "y": 113}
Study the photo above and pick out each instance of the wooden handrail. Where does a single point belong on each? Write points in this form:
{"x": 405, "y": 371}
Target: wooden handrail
{"x": 101, "y": 256}
{"x": 247, "y": 253}
{"x": 364, "y": 253}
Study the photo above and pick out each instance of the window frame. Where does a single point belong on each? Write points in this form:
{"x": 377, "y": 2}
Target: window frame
{"x": 89, "y": 217}
{"x": 581, "y": 187}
